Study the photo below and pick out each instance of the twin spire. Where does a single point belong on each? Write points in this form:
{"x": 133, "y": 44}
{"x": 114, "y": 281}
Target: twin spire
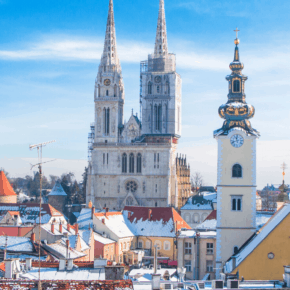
{"x": 110, "y": 57}
{"x": 161, "y": 47}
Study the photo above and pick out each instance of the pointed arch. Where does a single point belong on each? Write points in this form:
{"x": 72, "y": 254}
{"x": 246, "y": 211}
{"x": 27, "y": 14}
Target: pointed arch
{"x": 99, "y": 91}
{"x": 115, "y": 91}
{"x": 139, "y": 163}
{"x": 131, "y": 163}
{"x": 149, "y": 88}
{"x": 124, "y": 163}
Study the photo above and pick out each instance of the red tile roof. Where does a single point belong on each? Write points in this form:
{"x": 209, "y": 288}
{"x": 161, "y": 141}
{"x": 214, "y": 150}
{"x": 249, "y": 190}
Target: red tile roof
{"x": 211, "y": 216}
{"x": 106, "y": 214}
{"x": 157, "y": 214}
{"x": 14, "y": 212}
{"x": 5, "y": 187}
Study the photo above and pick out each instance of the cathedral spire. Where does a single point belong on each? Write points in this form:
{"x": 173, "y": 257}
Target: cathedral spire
{"x": 109, "y": 56}
{"x": 161, "y": 47}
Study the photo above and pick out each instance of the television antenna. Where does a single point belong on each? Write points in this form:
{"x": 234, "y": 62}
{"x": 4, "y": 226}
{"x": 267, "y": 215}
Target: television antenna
{"x": 39, "y": 164}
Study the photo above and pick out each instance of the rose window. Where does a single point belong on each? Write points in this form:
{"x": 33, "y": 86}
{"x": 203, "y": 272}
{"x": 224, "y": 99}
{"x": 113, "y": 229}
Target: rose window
{"x": 131, "y": 186}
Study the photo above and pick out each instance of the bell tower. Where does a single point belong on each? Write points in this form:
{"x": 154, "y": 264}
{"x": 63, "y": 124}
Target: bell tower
{"x": 236, "y": 180}
{"x": 161, "y": 87}
{"x": 109, "y": 88}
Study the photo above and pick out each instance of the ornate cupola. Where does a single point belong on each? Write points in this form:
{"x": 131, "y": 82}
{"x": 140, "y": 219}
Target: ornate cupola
{"x": 236, "y": 111}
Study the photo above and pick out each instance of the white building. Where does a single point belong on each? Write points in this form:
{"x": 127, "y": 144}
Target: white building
{"x": 133, "y": 163}
{"x": 236, "y": 180}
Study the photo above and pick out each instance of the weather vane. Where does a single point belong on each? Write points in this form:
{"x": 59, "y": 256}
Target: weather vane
{"x": 237, "y": 31}
{"x": 284, "y": 167}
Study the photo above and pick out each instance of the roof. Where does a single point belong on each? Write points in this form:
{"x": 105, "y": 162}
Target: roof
{"x": 163, "y": 221}
{"x": 14, "y": 213}
{"x": 85, "y": 218}
{"x": 210, "y": 196}
{"x": 212, "y": 215}
{"x": 105, "y": 241}
{"x": 198, "y": 202}
{"x": 208, "y": 225}
{"x": 192, "y": 234}
{"x": 259, "y": 237}
{"x": 29, "y": 212}
{"x": 57, "y": 190}
{"x": 5, "y": 187}
{"x": 16, "y": 244}
{"x": 116, "y": 223}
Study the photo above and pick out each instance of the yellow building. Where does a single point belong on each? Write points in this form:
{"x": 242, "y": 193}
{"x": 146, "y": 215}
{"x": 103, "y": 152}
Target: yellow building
{"x": 265, "y": 254}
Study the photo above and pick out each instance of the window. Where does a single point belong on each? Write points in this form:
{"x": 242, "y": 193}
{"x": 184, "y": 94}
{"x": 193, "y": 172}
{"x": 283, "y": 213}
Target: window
{"x": 159, "y": 118}
{"x": 140, "y": 244}
{"x": 237, "y": 203}
{"x": 99, "y": 91}
{"x": 115, "y": 91}
{"x": 104, "y": 158}
{"x": 131, "y": 186}
{"x": 187, "y": 248}
{"x": 156, "y": 160}
{"x": 107, "y": 93}
{"x": 107, "y": 158}
{"x": 236, "y": 86}
{"x": 209, "y": 266}
{"x": 209, "y": 248}
{"x": 149, "y": 88}
{"x": 128, "y": 245}
{"x": 167, "y": 88}
{"x": 156, "y": 204}
{"x": 156, "y": 188}
{"x": 166, "y": 246}
{"x": 148, "y": 244}
{"x": 124, "y": 163}
{"x": 237, "y": 171}
{"x": 106, "y": 121}
{"x": 187, "y": 265}
{"x": 158, "y": 89}
{"x": 139, "y": 163}
{"x": 131, "y": 163}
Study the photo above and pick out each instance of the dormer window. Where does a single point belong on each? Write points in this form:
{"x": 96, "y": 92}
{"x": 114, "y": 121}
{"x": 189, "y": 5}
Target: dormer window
{"x": 237, "y": 86}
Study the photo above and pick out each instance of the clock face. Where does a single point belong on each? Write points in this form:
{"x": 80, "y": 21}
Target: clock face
{"x": 158, "y": 79}
{"x": 237, "y": 141}
{"x": 107, "y": 82}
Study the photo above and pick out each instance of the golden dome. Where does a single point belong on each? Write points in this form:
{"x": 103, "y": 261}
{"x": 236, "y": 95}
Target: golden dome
{"x": 237, "y": 41}
{"x": 90, "y": 204}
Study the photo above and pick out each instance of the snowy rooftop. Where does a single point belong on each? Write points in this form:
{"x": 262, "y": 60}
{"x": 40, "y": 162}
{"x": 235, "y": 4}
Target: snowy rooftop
{"x": 57, "y": 190}
{"x": 207, "y": 225}
{"x": 192, "y": 234}
{"x": 163, "y": 222}
{"x": 16, "y": 244}
{"x": 199, "y": 202}
{"x": 85, "y": 218}
{"x": 103, "y": 240}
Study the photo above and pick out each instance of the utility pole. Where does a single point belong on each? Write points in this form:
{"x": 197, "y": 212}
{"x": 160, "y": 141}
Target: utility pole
{"x": 39, "y": 164}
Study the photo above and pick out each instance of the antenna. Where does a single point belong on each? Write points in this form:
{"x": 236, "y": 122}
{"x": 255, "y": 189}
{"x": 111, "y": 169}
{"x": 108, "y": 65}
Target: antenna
{"x": 39, "y": 164}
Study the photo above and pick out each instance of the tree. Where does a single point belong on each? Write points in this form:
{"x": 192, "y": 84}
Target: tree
{"x": 196, "y": 181}
{"x": 66, "y": 183}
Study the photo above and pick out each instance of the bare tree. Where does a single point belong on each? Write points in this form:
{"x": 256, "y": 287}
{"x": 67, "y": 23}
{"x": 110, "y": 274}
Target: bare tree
{"x": 196, "y": 181}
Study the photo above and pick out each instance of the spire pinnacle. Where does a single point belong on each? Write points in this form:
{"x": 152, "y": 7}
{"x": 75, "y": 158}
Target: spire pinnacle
{"x": 237, "y": 42}
{"x": 161, "y": 47}
{"x": 109, "y": 56}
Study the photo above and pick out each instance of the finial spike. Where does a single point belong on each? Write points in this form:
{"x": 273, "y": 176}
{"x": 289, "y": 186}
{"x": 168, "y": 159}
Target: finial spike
{"x": 161, "y": 47}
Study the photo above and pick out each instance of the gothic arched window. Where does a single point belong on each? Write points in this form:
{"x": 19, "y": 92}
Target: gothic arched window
{"x": 131, "y": 163}
{"x": 139, "y": 163}
{"x": 159, "y": 118}
{"x": 236, "y": 86}
{"x": 115, "y": 91}
{"x": 124, "y": 163}
{"x": 237, "y": 170}
{"x": 129, "y": 201}
{"x": 149, "y": 88}
{"x": 156, "y": 117}
{"x": 158, "y": 89}
{"x": 107, "y": 93}
{"x": 106, "y": 113}
{"x": 99, "y": 91}
{"x": 167, "y": 88}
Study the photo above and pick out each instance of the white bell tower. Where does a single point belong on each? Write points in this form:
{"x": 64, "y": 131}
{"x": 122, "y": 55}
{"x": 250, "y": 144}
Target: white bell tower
{"x": 236, "y": 180}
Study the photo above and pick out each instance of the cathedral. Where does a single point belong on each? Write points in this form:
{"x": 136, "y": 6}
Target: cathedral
{"x": 134, "y": 163}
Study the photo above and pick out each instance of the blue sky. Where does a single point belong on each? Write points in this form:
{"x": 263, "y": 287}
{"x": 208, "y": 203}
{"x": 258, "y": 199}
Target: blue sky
{"x": 49, "y": 55}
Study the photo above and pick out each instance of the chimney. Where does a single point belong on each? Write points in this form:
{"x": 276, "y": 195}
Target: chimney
{"x": 60, "y": 228}
{"x": 68, "y": 227}
{"x": 103, "y": 221}
{"x": 129, "y": 214}
{"x": 32, "y": 237}
{"x": 106, "y": 211}
{"x": 77, "y": 229}
{"x": 67, "y": 243}
{"x": 52, "y": 228}
{"x": 93, "y": 211}
{"x": 150, "y": 214}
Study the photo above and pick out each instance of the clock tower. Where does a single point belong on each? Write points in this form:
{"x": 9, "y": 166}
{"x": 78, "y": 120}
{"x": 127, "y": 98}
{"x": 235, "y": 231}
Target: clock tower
{"x": 236, "y": 177}
{"x": 109, "y": 88}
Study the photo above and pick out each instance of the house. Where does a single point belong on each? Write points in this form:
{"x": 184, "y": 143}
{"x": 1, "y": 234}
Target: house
{"x": 7, "y": 194}
{"x": 112, "y": 225}
{"x": 29, "y": 213}
{"x": 265, "y": 254}
{"x": 196, "y": 252}
{"x": 156, "y": 226}
{"x": 198, "y": 207}
{"x": 105, "y": 247}
{"x": 11, "y": 218}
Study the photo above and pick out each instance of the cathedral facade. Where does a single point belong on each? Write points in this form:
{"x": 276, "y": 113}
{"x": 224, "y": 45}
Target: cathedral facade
{"x": 134, "y": 163}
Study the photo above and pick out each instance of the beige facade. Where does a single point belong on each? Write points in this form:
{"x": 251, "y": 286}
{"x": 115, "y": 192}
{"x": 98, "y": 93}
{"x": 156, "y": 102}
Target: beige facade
{"x": 197, "y": 253}
{"x": 235, "y": 225}
{"x": 8, "y": 199}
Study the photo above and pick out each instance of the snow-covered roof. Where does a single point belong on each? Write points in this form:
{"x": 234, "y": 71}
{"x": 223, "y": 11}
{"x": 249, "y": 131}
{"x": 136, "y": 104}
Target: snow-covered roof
{"x": 192, "y": 234}
{"x": 116, "y": 223}
{"x": 207, "y": 225}
{"x": 29, "y": 212}
{"x": 137, "y": 272}
{"x": 259, "y": 237}
{"x": 103, "y": 240}
{"x": 57, "y": 190}
{"x": 262, "y": 218}
{"x": 163, "y": 222}
{"x": 80, "y": 274}
{"x": 85, "y": 218}
{"x": 198, "y": 202}
{"x": 210, "y": 196}
{"x": 16, "y": 244}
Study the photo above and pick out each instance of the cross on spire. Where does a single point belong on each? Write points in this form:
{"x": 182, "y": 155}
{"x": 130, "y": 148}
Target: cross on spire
{"x": 161, "y": 48}
{"x": 237, "y": 31}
